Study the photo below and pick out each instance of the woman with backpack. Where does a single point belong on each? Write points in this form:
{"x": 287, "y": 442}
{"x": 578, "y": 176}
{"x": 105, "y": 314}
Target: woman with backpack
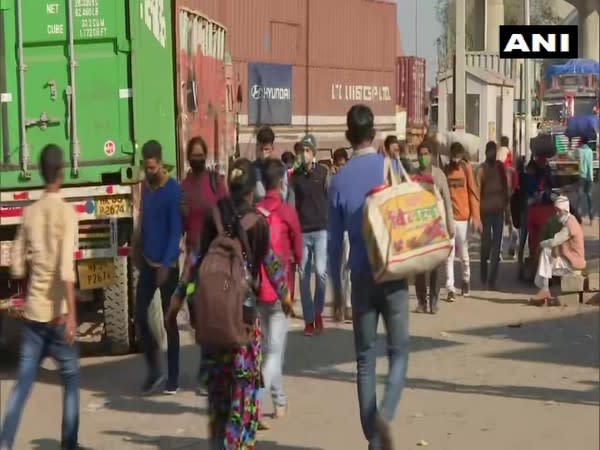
{"x": 232, "y": 347}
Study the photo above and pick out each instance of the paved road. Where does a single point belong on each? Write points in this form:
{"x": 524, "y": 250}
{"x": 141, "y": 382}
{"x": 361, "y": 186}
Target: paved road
{"x": 488, "y": 372}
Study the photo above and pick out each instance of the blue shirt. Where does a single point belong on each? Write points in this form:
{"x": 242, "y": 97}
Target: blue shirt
{"x": 161, "y": 223}
{"x": 347, "y": 192}
{"x": 586, "y": 161}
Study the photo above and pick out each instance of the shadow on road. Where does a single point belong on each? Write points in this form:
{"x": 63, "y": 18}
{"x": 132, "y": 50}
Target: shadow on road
{"x": 572, "y": 340}
{"x": 185, "y": 443}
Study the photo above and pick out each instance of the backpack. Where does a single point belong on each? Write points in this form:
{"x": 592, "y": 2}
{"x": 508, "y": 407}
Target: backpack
{"x": 224, "y": 302}
{"x": 277, "y": 233}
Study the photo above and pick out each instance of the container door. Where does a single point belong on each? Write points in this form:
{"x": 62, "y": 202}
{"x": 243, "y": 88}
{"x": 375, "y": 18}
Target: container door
{"x": 152, "y": 75}
{"x": 84, "y": 110}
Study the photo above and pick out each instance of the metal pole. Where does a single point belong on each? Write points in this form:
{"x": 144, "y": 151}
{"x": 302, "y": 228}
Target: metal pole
{"x": 416, "y": 29}
{"x": 22, "y": 114}
{"x": 75, "y": 145}
{"x": 460, "y": 66}
{"x": 527, "y": 75}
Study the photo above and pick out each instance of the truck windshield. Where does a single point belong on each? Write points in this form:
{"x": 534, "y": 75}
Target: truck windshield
{"x": 584, "y": 106}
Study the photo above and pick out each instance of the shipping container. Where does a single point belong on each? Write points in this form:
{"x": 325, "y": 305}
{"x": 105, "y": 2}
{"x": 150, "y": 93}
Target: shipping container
{"x": 411, "y": 78}
{"x": 71, "y": 79}
{"x": 334, "y": 63}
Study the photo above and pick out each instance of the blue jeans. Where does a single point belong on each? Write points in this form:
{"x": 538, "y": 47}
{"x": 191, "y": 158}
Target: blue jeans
{"x": 491, "y": 243}
{"x": 586, "y": 188}
{"x": 369, "y": 301}
{"x": 145, "y": 294}
{"x": 39, "y": 341}
{"x": 315, "y": 244}
{"x": 274, "y": 338}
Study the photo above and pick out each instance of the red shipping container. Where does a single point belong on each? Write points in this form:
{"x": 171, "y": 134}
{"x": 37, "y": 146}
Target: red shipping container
{"x": 411, "y": 78}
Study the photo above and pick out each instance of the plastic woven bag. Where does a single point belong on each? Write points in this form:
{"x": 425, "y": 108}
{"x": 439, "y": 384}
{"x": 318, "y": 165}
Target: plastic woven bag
{"x": 156, "y": 321}
{"x": 404, "y": 227}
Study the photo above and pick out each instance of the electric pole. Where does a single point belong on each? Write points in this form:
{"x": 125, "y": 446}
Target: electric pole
{"x": 527, "y": 76}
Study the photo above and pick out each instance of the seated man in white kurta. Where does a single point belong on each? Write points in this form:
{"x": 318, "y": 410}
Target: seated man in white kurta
{"x": 561, "y": 255}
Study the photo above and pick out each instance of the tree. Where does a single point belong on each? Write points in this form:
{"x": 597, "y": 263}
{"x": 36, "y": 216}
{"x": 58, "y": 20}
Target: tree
{"x": 541, "y": 14}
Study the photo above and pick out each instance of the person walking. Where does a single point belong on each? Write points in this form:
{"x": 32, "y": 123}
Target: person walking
{"x": 159, "y": 237}
{"x": 494, "y": 195}
{"x": 430, "y": 174}
{"x": 233, "y": 376}
{"x": 200, "y": 190}
{"x": 465, "y": 209}
{"x": 286, "y": 244}
{"x": 43, "y": 253}
{"x": 265, "y": 139}
{"x": 310, "y": 184}
{"x": 586, "y": 173}
{"x": 389, "y": 300}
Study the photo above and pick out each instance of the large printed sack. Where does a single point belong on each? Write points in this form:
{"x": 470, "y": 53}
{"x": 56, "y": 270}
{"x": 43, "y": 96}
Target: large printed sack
{"x": 404, "y": 227}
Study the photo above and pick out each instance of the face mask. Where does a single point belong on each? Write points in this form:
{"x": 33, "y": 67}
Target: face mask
{"x": 197, "y": 165}
{"x": 152, "y": 177}
{"x": 563, "y": 218}
{"x": 424, "y": 161}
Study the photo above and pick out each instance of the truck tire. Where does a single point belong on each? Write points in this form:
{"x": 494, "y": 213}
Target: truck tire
{"x": 134, "y": 276}
{"x": 118, "y": 329}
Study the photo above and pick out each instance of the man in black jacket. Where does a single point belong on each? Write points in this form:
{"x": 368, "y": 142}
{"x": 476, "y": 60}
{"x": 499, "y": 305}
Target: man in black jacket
{"x": 310, "y": 184}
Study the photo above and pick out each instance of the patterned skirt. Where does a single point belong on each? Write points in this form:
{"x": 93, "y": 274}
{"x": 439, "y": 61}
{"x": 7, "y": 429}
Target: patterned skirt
{"x": 233, "y": 379}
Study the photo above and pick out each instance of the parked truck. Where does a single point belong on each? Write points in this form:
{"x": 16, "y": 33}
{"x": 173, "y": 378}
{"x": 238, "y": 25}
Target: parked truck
{"x": 568, "y": 92}
{"x": 99, "y": 78}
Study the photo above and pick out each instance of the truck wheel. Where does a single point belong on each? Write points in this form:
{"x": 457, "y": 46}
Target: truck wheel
{"x": 117, "y": 315}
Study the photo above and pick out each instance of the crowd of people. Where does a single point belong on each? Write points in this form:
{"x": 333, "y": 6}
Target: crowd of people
{"x": 278, "y": 217}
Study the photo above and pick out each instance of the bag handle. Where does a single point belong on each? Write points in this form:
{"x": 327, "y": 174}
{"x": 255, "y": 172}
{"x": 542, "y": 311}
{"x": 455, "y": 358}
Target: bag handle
{"x": 390, "y": 176}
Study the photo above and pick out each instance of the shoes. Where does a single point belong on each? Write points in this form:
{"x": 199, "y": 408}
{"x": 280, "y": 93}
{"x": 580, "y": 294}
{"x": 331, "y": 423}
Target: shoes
{"x": 433, "y": 304}
{"x": 309, "y": 329}
{"x": 421, "y": 308}
{"x": 152, "y": 384}
{"x": 319, "y": 324}
{"x": 171, "y": 391}
{"x": 466, "y": 289}
{"x": 451, "y": 298}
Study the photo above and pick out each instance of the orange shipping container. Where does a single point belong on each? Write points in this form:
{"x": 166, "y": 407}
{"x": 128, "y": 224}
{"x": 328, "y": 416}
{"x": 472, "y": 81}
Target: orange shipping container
{"x": 411, "y": 78}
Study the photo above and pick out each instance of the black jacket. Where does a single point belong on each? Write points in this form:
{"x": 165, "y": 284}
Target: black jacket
{"x": 310, "y": 189}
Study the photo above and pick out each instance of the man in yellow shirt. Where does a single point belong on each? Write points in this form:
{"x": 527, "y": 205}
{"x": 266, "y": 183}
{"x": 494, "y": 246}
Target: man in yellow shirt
{"x": 43, "y": 254}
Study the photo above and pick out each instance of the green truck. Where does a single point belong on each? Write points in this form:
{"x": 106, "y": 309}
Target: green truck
{"x": 95, "y": 77}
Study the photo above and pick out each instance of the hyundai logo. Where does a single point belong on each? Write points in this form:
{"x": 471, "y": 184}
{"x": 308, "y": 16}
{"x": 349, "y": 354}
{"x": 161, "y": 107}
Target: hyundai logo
{"x": 256, "y": 92}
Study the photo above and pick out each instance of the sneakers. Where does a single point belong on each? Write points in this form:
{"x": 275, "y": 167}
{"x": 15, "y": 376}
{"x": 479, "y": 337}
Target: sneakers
{"x": 451, "y": 297}
{"x": 152, "y": 384}
{"x": 309, "y": 329}
{"x": 171, "y": 391}
{"x": 319, "y": 324}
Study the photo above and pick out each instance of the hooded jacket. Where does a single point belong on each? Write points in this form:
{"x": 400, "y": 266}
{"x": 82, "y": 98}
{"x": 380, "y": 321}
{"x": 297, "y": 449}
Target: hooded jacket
{"x": 292, "y": 247}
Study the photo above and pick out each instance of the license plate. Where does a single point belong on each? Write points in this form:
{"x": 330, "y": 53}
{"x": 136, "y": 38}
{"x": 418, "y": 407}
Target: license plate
{"x": 95, "y": 274}
{"x": 111, "y": 206}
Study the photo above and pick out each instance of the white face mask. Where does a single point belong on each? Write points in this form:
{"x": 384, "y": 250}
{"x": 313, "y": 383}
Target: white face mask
{"x": 563, "y": 218}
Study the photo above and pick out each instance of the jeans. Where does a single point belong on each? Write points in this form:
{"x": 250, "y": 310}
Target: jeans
{"x": 422, "y": 280}
{"x": 369, "y": 301}
{"x": 315, "y": 244}
{"x": 145, "y": 294}
{"x": 491, "y": 242}
{"x": 39, "y": 341}
{"x": 274, "y": 338}
{"x": 586, "y": 187}
{"x": 460, "y": 242}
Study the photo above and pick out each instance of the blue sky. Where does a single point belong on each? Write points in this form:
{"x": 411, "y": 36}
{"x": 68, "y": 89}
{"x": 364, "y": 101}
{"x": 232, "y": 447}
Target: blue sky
{"x": 425, "y": 28}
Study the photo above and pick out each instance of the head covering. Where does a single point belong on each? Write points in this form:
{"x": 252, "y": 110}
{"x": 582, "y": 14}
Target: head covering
{"x": 309, "y": 141}
{"x": 562, "y": 203}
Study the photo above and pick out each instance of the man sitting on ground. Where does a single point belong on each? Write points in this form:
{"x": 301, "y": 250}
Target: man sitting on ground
{"x": 561, "y": 255}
